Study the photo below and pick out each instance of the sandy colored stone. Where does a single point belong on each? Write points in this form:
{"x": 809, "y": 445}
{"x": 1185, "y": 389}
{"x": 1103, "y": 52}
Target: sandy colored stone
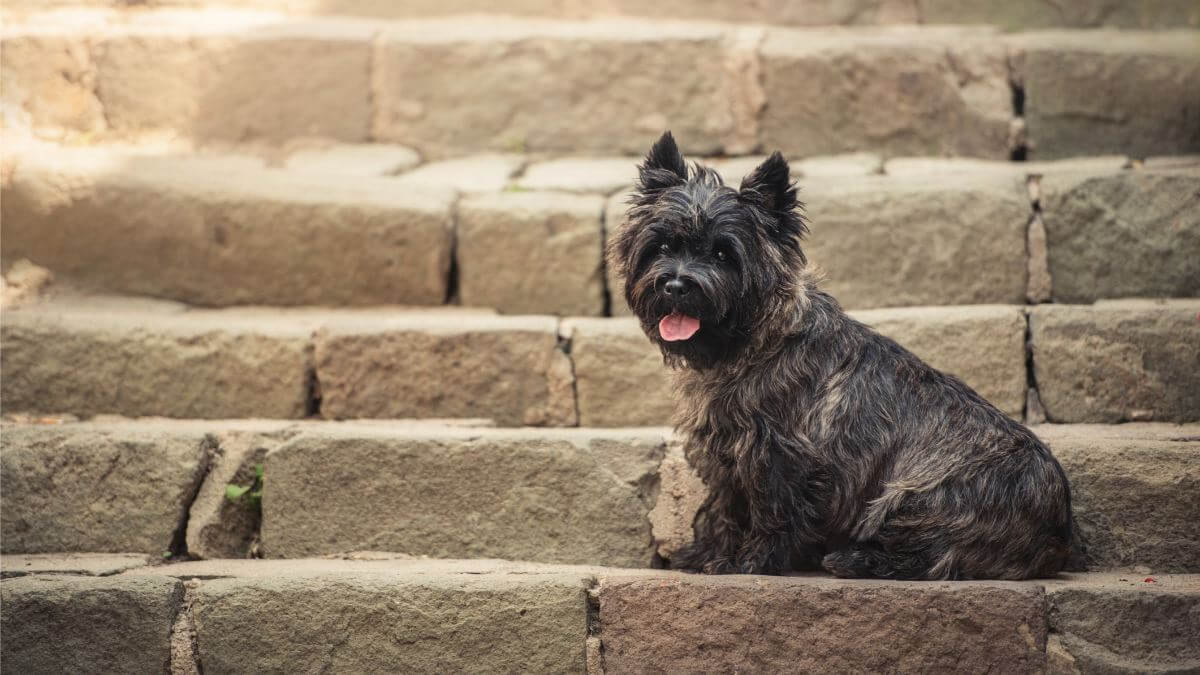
{"x": 221, "y": 230}
{"x": 357, "y": 159}
{"x": 1118, "y": 361}
{"x": 477, "y": 173}
{"x": 607, "y": 86}
{"x": 1096, "y": 92}
{"x": 97, "y": 488}
{"x": 57, "y": 624}
{"x": 444, "y": 365}
{"x": 910, "y": 90}
{"x": 982, "y": 345}
{"x": 531, "y": 252}
{"x": 602, "y": 175}
{"x": 1025, "y": 14}
{"x": 1135, "y": 500}
{"x": 1126, "y": 234}
{"x": 773, "y": 624}
{"x": 1172, "y": 162}
{"x": 235, "y": 77}
{"x": 887, "y": 242}
{"x": 144, "y": 358}
{"x": 218, "y": 527}
{"x": 615, "y": 210}
{"x": 620, "y": 379}
{"x": 78, "y": 564}
{"x": 679, "y": 497}
{"x": 1040, "y": 283}
{"x": 1132, "y": 626}
{"x": 23, "y": 283}
{"x": 575, "y": 496}
{"x": 922, "y": 166}
{"x": 364, "y": 622}
{"x": 50, "y": 82}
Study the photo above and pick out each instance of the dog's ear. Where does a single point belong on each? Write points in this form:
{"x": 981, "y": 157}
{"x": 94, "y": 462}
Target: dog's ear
{"x": 770, "y": 186}
{"x": 664, "y": 167}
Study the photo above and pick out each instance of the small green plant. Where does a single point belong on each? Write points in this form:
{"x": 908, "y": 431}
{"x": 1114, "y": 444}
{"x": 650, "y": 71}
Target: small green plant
{"x": 249, "y": 495}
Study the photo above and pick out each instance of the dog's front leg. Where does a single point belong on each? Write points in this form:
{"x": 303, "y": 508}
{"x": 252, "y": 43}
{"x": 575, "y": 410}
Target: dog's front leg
{"x": 784, "y": 495}
{"x": 719, "y": 528}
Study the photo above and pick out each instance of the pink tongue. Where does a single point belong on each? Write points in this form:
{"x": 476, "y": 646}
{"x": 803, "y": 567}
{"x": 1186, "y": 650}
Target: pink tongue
{"x": 676, "y": 326}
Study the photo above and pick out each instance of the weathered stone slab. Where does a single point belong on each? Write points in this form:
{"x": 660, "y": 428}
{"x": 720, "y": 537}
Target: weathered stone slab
{"x": 912, "y": 90}
{"x": 95, "y": 487}
{"x": 1123, "y": 234}
{"x": 620, "y": 379}
{"x": 1135, "y": 499}
{"x": 608, "y": 86}
{"x": 57, "y": 624}
{"x": 149, "y": 358}
{"x": 222, "y": 230}
{"x": 576, "y": 496}
{"x": 78, "y": 564}
{"x": 1118, "y": 361}
{"x": 1132, "y": 624}
{"x": 1025, "y": 14}
{"x": 773, "y": 624}
{"x": 49, "y": 84}
{"x": 946, "y": 240}
{"x": 489, "y": 621}
{"x": 597, "y": 175}
{"x": 614, "y": 219}
{"x": 358, "y": 159}
{"x": 477, "y": 173}
{"x": 444, "y": 365}
{"x": 535, "y": 252}
{"x": 236, "y": 76}
{"x": 218, "y": 527}
{"x": 1097, "y": 92}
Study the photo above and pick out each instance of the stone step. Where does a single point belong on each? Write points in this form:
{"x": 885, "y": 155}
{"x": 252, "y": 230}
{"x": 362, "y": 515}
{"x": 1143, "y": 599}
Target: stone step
{"x": 618, "y": 497}
{"x": 1017, "y": 14}
{"x": 598, "y": 86}
{"x": 1115, "y": 361}
{"x": 332, "y": 225}
{"x": 495, "y": 616}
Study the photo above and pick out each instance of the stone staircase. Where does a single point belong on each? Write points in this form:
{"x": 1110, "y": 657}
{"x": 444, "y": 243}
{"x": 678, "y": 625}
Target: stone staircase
{"x": 358, "y": 244}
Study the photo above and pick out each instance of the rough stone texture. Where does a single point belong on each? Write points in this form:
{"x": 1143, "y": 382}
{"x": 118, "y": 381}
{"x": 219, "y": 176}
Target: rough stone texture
{"x": 911, "y": 90}
{"x": 676, "y": 623}
{"x": 924, "y": 166}
{"x": 56, "y": 624}
{"x": 478, "y": 173}
{"x": 1090, "y": 93}
{"x": 79, "y": 564}
{"x": 1118, "y": 361}
{"x": 1018, "y": 14}
{"x": 835, "y": 166}
{"x": 982, "y": 345}
{"x": 146, "y": 358}
{"x": 96, "y": 487}
{"x": 237, "y": 77}
{"x": 1135, "y": 499}
{"x": 218, "y": 527}
{"x": 1128, "y": 626}
{"x": 620, "y": 378}
{"x": 575, "y": 496}
{"x": 22, "y": 283}
{"x": 49, "y": 85}
{"x": 222, "y": 230}
{"x": 494, "y": 621}
{"x": 614, "y": 220}
{"x": 949, "y": 240}
{"x": 1172, "y": 162}
{"x": 602, "y": 175}
{"x": 357, "y": 159}
{"x": 1039, "y": 282}
{"x": 1126, "y": 234}
{"x": 535, "y": 252}
{"x": 602, "y": 86}
{"x": 679, "y": 497}
{"x": 445, "y": 365}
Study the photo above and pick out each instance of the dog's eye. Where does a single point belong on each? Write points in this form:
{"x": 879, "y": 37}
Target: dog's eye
{"x": 664, "y": 249}
{"x": 720, "y": 255}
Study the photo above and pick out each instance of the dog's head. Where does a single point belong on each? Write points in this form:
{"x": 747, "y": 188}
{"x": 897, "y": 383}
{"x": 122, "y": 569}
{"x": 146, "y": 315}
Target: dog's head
{"x": 702, "y": 261}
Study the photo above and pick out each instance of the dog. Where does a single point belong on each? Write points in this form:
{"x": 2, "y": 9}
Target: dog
{"x": 822, "y": 443}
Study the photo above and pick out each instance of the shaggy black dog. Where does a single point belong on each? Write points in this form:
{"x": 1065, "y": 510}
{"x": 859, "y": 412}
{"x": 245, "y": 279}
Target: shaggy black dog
{"x": 822, "y": 443}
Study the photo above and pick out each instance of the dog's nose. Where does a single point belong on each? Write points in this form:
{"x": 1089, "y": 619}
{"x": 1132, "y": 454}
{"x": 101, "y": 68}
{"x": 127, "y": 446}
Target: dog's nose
{"x": 676, "y": 288}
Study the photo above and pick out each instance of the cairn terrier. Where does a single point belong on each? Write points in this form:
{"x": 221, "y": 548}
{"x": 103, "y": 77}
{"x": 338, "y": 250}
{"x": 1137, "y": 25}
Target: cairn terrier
{"x": 821, "y": 442}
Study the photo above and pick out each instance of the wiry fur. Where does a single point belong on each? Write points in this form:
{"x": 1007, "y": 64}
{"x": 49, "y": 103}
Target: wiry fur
{"x": 822, "y": 443}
